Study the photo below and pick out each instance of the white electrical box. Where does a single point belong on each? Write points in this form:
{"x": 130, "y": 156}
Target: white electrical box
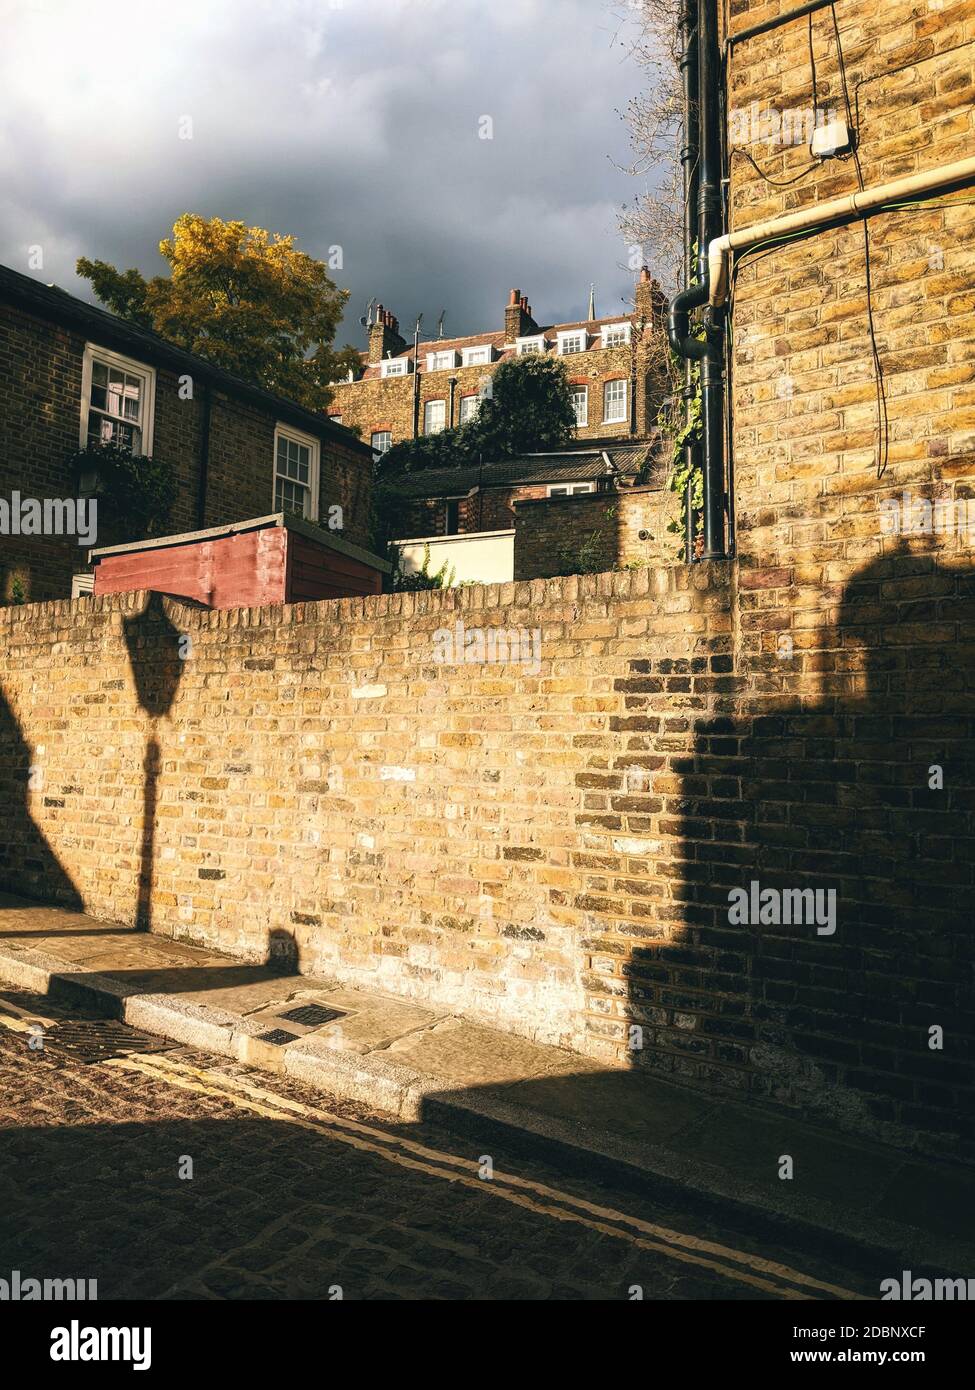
{"x": 831, "y": 139}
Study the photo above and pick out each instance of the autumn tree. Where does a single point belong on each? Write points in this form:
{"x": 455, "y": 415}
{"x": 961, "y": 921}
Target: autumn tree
{"x": 242, "y": 298}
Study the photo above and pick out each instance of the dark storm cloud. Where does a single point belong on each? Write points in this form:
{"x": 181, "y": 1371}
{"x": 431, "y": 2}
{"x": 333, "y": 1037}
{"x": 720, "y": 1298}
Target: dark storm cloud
{"x": 351, "y": 123}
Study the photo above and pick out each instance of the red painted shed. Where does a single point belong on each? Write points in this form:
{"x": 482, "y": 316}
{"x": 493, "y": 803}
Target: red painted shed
{"x": 271, "y": 559}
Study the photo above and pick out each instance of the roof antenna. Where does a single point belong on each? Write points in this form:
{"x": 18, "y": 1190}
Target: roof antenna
{"x": 366, "y": 319}
{"x": 443, "y": 315}
{"x": 592, "y": 302}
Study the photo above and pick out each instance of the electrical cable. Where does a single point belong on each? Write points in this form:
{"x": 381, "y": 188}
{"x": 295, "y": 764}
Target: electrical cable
{"x": 883, "y": 417}
{"x": 775, "y": 183}
{"x": 812, "y": 69}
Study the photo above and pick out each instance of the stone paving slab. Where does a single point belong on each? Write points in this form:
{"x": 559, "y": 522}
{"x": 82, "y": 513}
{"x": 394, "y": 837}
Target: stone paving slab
{"x": 416, "y": 1063}
{"x": 459, "y": 1053}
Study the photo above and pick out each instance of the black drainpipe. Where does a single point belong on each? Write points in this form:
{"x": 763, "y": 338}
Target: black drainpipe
{"x": 201, "y": 504}
{"x": 688, "y": 158}
{"x": 709, "y": 350}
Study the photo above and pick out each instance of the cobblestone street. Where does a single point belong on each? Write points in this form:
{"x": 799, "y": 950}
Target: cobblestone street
{"x": 294, "y": 1195}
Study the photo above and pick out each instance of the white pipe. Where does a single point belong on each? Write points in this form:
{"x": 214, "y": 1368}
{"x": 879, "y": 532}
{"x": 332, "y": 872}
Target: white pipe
{"x": 850, "y": 205}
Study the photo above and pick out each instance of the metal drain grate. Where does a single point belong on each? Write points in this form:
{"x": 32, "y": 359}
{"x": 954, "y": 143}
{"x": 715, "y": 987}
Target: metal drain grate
{"x": 278, "y": 1036}
{"x": 97, "y": 1039}
{"x": 313, "y": 1014}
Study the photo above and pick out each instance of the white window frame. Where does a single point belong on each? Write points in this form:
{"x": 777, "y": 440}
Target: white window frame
{"x": 394, "y": 366}
{"x": 529, "y": 346}
{"x": 434, "y": 364}
{"x": 82, "y": 585}
{"x": 567, "y": 336}
{"x": 376, "y": 434}
{"x": 472, "y": 359}
{"x": 617, "y": 419}
{"x": 582, "y": 391}
{"x": 282, "y": 431}
{"x": 568, "y": 489}
{"x": 134, "y": 368}
{"x": 437, "y": 400}
{"x": 609, "y": 328}
{"x": 472, "y": 409}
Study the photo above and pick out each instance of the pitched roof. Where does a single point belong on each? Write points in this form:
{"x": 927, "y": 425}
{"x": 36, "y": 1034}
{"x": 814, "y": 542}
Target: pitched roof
{"x": 48, "y": 301}
{"x": 497, "y": 340}
{"x": 567, "y": 465}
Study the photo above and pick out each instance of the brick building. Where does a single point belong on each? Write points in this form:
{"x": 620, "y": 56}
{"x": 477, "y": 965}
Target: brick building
{"x": 457, "y": 501}
{"x": 613, "y": 365}
{"x": 553, "y": 845}
{"x": 73, "y": 374}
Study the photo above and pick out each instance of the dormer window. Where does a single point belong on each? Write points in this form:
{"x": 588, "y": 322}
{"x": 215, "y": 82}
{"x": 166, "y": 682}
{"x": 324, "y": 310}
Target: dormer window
{"x": 394, "y": 366}
{"x": 573, "y": 340}
{"x": 616, "y": 335}
{"x": 441, "y": 361}
{"x": 478, "y": 356}
{"x": 525, "y": 346}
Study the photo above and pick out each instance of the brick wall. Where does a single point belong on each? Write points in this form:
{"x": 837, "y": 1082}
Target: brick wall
{"x": 593, "y": 531}
{"x": 808, "y": 437}
{"x": 548, "y": 848}
{"x": 554, "y": 851}
{"x": 40, "y": 412}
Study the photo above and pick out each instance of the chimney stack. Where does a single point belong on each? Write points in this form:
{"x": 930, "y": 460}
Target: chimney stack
{"x": 651, "y": 303}
{"x": 518, "y": 321}
{"x": 384, "y": 337}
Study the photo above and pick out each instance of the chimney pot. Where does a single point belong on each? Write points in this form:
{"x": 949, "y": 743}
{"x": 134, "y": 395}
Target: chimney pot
{"x": 513, "y": 299}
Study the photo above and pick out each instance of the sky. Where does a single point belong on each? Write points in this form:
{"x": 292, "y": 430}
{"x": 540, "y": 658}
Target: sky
{"x": 351, "y": 124}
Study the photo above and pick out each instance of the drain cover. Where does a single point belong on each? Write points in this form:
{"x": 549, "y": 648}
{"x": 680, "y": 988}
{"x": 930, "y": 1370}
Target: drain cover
{"x": 95, "y": 1040}
{"x": 312, "y": 1014}
{"x": 278, "y": 1036}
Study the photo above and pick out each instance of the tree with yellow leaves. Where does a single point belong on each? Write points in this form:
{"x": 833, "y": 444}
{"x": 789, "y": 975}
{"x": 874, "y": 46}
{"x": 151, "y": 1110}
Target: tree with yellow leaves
{"x": 245, "y": 299}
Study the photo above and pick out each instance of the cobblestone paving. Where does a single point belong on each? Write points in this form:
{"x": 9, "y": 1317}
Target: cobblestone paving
{"x": 90, "y": 1188}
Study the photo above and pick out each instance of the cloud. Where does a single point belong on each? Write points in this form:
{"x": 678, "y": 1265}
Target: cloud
{"x": 345, "y": 122}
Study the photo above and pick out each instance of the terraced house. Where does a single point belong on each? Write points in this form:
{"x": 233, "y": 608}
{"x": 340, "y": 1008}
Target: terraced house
{"x": 408, "y": 389}
{"x": 75, "y": 375}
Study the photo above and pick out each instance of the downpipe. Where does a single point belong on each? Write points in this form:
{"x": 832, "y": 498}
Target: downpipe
{"x": 709, "y": 350}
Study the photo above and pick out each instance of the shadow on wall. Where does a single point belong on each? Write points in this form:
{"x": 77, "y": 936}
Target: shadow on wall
{"x": 862, "y": 800}
{"x": 28, "y": 865}
{"x": 156, "y": 650}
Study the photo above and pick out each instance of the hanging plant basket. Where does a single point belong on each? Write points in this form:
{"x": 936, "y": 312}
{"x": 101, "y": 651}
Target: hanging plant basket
{"x": 135, "y": 494}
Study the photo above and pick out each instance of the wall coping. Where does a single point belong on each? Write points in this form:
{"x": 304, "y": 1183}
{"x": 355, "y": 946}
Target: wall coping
{"x": 619, "y": 585}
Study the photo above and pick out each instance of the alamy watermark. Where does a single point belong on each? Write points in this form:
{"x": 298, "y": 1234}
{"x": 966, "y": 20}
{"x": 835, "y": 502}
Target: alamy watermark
{"x": 24, "y": 1289}
{"x": 751, "y": 125}
{"x": 50, "y": 516}
{"x": 774, "y": 907}
{"x": 472, "y": 646}
{"x": 77, "y": 1343}
{"x": 912, "y": 1290}
{"x": 908, "y": 515}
